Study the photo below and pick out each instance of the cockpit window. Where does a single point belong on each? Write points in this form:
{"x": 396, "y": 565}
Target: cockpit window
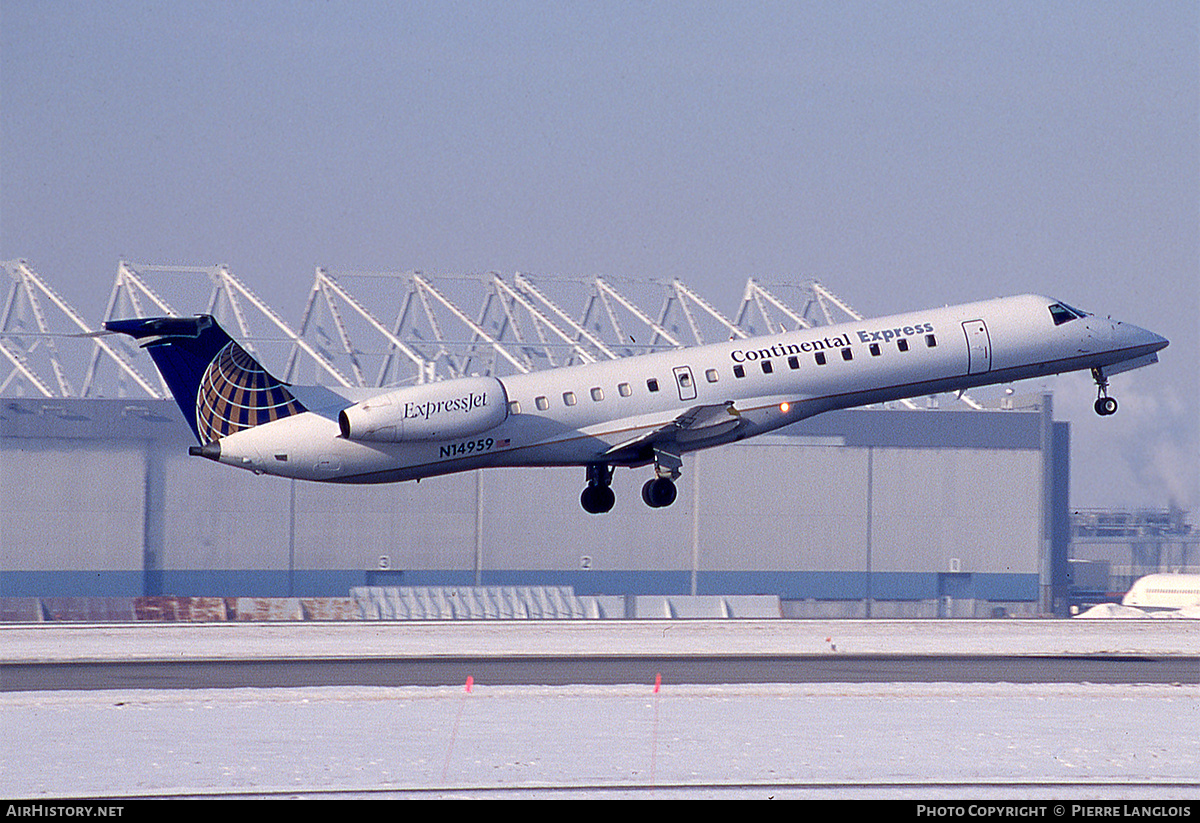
{"x": 1062, "y": 313}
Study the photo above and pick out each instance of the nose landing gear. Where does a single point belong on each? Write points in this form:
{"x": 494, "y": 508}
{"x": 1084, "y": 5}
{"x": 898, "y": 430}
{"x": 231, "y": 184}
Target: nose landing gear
{"x": 1104, "y": 405}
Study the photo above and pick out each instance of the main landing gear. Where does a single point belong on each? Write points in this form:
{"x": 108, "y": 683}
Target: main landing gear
{"x": 1104, "y": 405}
{"x": 658, "y": 493}
{"x": 598, "y": 497}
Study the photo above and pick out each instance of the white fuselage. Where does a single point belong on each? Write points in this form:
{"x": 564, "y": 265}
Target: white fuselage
{"x": 1164, "y": 592}
{"x": 581, "y": 415}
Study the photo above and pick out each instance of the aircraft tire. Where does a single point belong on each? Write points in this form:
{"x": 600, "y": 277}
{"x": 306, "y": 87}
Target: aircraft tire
{"x": 597, "y": 499}
{"x": 1106, "y": 406}
{"x": 659, "y": 492}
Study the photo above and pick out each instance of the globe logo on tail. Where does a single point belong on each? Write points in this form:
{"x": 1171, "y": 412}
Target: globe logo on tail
{"x": 236, "y": 393}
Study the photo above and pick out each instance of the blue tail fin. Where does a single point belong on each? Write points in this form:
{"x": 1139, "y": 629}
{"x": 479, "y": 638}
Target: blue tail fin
{"x": 219, "y": 387}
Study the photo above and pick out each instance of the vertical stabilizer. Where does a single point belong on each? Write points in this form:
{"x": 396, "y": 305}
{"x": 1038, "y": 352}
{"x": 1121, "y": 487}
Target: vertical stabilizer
{"x": 219, "y": 387}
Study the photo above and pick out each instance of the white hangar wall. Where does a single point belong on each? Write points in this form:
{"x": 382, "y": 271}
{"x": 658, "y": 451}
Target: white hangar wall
{"x": 70, "y": 505}
{"x": 864, "y": 505}
{"x": 929, "y": 509}
{"x": 972, "y": 510}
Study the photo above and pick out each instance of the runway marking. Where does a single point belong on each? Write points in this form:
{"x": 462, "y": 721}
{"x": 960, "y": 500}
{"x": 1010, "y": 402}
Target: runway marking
{"x": 454, "y": 731}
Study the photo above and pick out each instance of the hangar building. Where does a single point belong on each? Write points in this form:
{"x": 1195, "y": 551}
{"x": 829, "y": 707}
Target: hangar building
{"x": 887, "y": 512}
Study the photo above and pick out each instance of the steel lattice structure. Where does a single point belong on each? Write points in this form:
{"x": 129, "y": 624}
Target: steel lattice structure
{"x": 384, "y": 328}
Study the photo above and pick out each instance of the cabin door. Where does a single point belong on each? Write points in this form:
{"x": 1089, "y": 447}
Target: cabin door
{"x": 685, "y": 382}
{"x": 979, "y": 347}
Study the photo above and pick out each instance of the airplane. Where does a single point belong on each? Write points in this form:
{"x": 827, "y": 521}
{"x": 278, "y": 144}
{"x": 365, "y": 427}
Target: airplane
{"x": 632, "y": 412}
{"x": 1164, "y": 592}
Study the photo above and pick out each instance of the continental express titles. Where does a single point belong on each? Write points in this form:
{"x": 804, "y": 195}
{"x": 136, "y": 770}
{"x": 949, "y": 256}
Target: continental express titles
{"x": 839, "y": 341}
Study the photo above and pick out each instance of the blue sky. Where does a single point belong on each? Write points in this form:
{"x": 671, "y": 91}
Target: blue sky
{"x": 906, "y": 154}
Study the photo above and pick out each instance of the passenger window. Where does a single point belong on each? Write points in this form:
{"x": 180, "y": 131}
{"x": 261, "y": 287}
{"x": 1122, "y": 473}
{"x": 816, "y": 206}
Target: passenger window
{"x": 930, "y": 340}
{"x": 514, "y": 407}
{"x": 624, "y": 389}
{"x": 793, "y": 362}
{"x": 685, "y": 379}
{"x": 652, "y": 384}
{"x": 569, "y": 398}
{"x": 711, "y": 375}
{"x": 875, "y": 350}
{"x": 542, "y": 403}
{"x": 847, "y": 354}
{"x": 597, "y": 393}
{"x": 767, "y": 367}
{"x": 902, "y": 344}
{"x": 739, "y": 370}
{"x": 820, "y": 358}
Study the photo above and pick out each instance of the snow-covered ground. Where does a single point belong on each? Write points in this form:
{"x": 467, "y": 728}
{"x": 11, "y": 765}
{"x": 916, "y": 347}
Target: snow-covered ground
{"x": 824, "y": 740}
{"x": 218, "y": 641}
{"x": 1106, "y": 611}
{"x": 937, "y": 740}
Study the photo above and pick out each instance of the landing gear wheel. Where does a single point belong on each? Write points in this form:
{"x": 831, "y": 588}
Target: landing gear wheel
{"x": 597, "y": 499}
{"x": 1105, "y": 405}
{"x": 659, "y": 492}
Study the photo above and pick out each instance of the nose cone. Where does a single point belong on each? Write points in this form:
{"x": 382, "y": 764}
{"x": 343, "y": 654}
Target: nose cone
{"x": 1137, "y": 340}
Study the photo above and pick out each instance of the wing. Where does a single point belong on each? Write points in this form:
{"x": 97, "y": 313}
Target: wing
{"x": 697, "y": 423}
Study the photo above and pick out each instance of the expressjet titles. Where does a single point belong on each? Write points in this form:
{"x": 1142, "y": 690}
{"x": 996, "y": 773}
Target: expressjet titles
{"x": 837, "y": 342}
{"x": 472, "y": 401}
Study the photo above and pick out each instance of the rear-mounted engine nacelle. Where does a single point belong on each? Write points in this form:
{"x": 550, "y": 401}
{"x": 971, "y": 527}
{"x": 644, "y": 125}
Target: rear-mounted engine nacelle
{"x": 436, "y": 411}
